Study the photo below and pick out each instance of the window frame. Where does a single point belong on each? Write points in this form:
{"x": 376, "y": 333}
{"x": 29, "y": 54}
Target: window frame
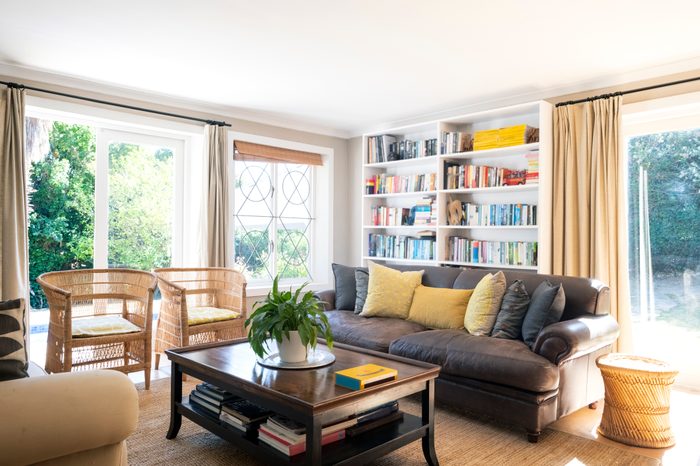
{"x": 321, "y": 236}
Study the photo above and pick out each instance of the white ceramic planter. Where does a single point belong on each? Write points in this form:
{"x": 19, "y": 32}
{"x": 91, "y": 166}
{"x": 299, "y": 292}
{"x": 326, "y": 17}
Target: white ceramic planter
{"x": 292, "y": 349}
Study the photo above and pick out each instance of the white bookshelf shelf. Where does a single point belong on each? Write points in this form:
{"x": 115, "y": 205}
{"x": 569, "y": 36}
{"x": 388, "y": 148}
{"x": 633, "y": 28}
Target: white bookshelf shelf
{"x": 410, "y": 194}
{"x": 499, "y": 152}
{"x": 401, "y": 261}
{"x": 489, "y": 227}
{"x": 401, "y": 227}
{"x": 490, "y": 266}
{"x": 536, "y": 114}
{"x": 416, "y": 162}
{"x": 494, "y": 189}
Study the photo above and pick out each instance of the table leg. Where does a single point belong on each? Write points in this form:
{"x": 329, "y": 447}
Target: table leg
{"x": 313, "y": 442}
{"x": 175, "y": 397}
{"x": 428, "y": 409}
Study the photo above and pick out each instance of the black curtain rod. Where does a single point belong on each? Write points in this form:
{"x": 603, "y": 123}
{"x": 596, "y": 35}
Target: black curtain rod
{"x": 631, "y": 91}
{"x": 114, "y": 104}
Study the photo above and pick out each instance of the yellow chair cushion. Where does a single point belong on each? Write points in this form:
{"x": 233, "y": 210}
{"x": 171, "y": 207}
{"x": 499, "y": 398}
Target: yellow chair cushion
{"x": 441, "y": 308}
{"x": 484, "y": 304}
{"x": 102, "y": 325}
{"x": 206, "y": 315}
{"x": 389, "y": 292}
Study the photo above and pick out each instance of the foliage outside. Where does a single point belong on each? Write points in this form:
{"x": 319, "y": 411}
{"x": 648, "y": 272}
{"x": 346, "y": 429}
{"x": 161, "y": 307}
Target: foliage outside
{"x": 285, "y": 311}
{"x": 62, "y": 204}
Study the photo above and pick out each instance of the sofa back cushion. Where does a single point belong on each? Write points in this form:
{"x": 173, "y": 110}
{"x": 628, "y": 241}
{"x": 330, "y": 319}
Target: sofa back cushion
{"x": 484, "y": 304}
{"x": 546, "y": 307}
{"x": 13, "y": 352}
{"x": 344, "y": 287}
{"x": 512, "y": 313}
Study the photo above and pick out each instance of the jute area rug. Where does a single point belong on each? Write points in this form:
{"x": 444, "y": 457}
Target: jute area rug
{"x": 460, "y": 440}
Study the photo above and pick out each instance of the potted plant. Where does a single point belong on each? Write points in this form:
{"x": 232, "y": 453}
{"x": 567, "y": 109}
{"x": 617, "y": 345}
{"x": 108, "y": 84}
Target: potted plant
{"x": 294, "y": 320}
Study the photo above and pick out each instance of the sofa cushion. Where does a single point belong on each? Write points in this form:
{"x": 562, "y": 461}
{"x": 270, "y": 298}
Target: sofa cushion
{"x": 198, "y": 315}
{"x": 546, "y": 308}
{"x": 495, "y": 360}
{"x": 484, "y": 304}
{"x": 344, "y": 287}
{"x": 513, "y": 308}
{"x": 376, "y": 333}
{"x": 362, "y": 282}
{"x": 390, "y": 292}
{"x": 439, "y": 307}
{"x": 13, "y": 352}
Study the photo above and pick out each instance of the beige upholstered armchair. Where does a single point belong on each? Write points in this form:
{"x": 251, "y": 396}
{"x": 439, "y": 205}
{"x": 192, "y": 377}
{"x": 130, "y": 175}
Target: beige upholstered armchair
{"x": 199, "y": 305}
{"x": 99, "y": 319}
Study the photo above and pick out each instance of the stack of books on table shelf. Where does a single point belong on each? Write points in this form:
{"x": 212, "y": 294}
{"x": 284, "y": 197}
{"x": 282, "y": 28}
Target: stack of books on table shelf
{"x": 289, "y": 437}
{"x": 210, "y": 398}
{"x": 375, "y": 417}
{"x": 533, "y": 167}
{"x": 243, "y": 415}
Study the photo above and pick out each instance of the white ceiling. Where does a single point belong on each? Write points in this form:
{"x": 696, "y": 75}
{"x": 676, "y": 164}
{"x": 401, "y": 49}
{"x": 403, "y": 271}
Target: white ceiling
{"x": 351, "y": 65}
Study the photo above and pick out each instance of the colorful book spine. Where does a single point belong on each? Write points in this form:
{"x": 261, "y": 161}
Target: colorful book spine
{"x": 465, "y": 250}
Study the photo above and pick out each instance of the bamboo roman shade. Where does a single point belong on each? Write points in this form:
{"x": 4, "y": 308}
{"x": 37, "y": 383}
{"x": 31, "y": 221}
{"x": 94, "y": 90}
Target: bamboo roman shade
{"x": 251, "y": 152}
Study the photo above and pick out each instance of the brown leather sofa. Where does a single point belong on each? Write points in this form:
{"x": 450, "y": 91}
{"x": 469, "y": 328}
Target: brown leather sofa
{"x": 501, "y": 378}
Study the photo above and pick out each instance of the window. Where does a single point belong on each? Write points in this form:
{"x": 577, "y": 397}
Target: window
{"x": 663, "y": 150}
{"x": 102, "y": 193}
{"x": 278, "y": 214}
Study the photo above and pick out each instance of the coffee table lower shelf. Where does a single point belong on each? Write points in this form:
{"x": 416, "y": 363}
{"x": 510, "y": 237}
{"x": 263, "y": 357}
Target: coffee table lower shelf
{"x": 352, "y": 450}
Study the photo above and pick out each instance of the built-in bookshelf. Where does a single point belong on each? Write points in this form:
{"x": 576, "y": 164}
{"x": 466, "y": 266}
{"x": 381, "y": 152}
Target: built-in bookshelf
{"x": 499, "y": 197}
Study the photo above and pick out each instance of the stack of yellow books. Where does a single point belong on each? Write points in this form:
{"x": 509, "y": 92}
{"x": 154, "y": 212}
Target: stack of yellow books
{"x": 502, "y": 137}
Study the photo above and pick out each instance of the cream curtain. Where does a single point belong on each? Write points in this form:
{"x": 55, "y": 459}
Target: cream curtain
{"x": 218, "y": 240}
{"x": 14, "y": 276}
{"x": 589, "y": 216}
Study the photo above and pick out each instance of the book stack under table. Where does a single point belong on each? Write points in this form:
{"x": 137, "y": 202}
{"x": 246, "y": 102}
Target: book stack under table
{"x": 283, "y": 434}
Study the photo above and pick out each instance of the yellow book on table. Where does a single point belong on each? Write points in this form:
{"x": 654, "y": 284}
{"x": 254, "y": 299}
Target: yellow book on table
{"x": 357, "y": 378}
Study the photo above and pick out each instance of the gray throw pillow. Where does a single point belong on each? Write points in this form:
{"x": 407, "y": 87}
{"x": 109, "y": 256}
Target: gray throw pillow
{"x": 13, "y": 351}
{"x": 362, "y": 281}
{"x": 510, "y": 318}
{"x": 344, "y": 287}
{"x": 546, "y": 307}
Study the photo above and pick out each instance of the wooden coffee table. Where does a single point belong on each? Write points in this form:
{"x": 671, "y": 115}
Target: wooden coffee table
{"x": 310, "y": 397}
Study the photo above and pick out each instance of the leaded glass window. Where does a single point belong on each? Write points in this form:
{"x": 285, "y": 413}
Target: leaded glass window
{"x": 273, "y": 220}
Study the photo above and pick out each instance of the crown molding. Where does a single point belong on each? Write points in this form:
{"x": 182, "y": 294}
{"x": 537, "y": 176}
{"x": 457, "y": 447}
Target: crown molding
{"x": 552, "y": 94}
{"x": 217, "y": 112}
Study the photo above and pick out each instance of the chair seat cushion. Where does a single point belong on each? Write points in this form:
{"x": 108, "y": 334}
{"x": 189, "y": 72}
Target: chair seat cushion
{"x": 102, "y": 325}
{"x": 206, "y": 315}
{"x": 496, "y": 360}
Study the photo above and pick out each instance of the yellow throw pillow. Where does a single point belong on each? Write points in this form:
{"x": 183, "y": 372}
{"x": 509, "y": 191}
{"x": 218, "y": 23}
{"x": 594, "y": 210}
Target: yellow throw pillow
{"x": 484, "y": 304}
{"x": 439, "y": 307}
{"x": 389, "y": 292}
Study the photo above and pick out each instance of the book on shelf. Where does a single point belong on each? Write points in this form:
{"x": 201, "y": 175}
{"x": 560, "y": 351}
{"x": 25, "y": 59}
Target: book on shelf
{"x": 498, "y": 214}
{"x": 373, "y": 424}
{"x": 365, "y": 376}
{"x": 533, "y": 167}
{"x": 293, "y": 449}
{"x": 378, "y": 148}
{"x": 522, "y": 253}
{"x": 391, "y": 184}
{"x": 465, "y": 176}
{"x": 386, "y": 148}
{"x": 198, "y": 401}
{"x": 245, "y": 411}
{"x": 214, "y": 393}
{"x": 455, "y": 142}
{"x": 401, "y": 247}
{"x": 505, "y": 137}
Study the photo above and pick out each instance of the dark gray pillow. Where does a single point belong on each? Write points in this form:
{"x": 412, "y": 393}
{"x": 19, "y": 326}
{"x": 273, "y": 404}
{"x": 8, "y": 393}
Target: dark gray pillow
{"x": 546, "y": 307}
{"x": 13, "y": 351}
{"x": 362, "y": 281}
{"x": 344, "y": 287}
{"x": 510, "y": 318}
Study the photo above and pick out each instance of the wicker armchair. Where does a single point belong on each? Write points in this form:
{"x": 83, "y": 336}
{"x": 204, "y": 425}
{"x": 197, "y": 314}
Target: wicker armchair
{"x": 186, "y": 290}
{"x": 99, "y": 319}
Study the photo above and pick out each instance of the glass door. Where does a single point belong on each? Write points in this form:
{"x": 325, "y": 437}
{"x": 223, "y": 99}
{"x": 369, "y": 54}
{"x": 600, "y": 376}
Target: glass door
{"x": 138, "y": 214}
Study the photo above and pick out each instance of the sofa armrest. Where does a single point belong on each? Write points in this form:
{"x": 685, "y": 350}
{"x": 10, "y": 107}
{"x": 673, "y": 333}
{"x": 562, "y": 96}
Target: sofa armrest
{"x": 56, "y": 415}
{"x": 328, "y": 298}
{"x": 572, "y": 338}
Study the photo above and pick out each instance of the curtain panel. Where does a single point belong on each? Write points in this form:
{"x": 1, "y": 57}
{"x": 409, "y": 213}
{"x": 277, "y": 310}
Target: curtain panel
{"x": 589, "y": 218}
{"x": 14, "y": 265}
{"x": 218, "y": 240}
